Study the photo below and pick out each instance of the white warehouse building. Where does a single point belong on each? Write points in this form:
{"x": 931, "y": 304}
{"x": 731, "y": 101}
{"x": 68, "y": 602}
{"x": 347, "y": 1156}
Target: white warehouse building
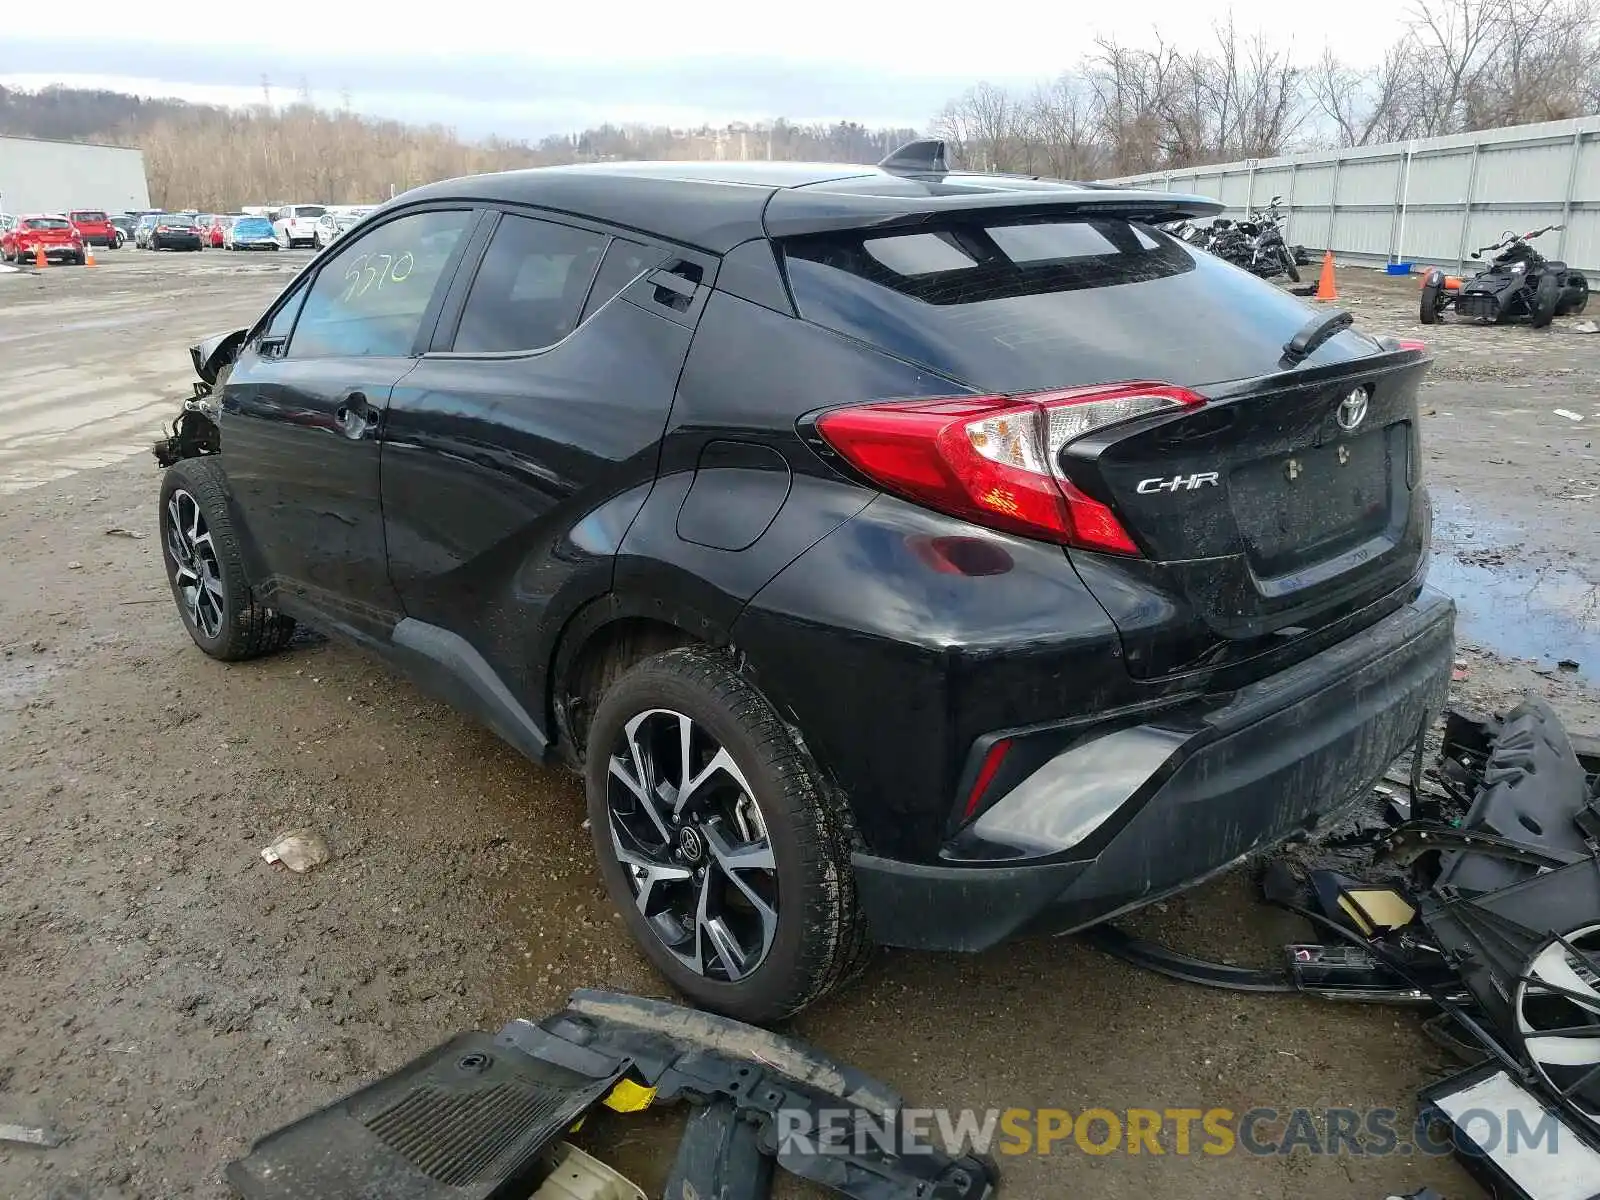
{"x": 42, "y": 176}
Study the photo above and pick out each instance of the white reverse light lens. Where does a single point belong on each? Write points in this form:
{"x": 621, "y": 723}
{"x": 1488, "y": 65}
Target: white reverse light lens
{"x": 1069, "y": 422}
{"x": 1011, "y": 439}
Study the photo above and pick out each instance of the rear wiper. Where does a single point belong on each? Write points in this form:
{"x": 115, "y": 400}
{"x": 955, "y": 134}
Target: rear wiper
{"x": 1313, "y": 333}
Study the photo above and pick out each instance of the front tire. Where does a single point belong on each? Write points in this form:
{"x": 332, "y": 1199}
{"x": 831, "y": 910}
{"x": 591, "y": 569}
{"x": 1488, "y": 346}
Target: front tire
{"x": 1290, "y": 268}
{"x": 723, "y": 848}
{"x": 1546, "y": 296}
{"x": 1429, "y": 309}
{"x": 205, "y": 567}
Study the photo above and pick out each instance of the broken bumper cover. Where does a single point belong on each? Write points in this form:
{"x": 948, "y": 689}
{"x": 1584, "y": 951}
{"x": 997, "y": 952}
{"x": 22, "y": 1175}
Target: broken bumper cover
{"x": 1278, "y": 759}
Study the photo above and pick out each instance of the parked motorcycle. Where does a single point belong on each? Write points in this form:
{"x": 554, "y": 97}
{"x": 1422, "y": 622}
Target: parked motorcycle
{"x": 1518, "y": 283}
{"x": 1255, "y": 243}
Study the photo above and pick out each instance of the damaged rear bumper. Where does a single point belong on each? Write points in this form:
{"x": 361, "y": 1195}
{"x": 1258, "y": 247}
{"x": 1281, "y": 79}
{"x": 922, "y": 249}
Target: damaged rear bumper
{"x": 1277, "y": 759}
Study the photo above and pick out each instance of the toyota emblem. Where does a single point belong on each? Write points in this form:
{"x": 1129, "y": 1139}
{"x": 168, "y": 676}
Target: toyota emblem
{"x": 1353, "y": 409}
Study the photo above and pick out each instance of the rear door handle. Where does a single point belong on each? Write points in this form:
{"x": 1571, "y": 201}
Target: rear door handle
{"x": 355, "y": 416}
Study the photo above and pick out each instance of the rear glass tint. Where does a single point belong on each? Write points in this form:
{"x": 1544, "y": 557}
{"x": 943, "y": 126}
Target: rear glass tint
{"x": 624, "y": 262}
{"x": 87, "y": 216}
{"x": 46, "y": 223}
{"x": 1022, "y": 306}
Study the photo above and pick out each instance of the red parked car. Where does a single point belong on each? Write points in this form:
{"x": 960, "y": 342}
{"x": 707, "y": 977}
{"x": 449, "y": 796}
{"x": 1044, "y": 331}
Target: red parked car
{"x": 95, "y": 227}
{"x": 50, "y": 231}
{"x": 214, "y": 231}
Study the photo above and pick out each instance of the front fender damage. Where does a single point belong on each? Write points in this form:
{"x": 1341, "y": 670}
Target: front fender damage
{"x": 195, "y": 431}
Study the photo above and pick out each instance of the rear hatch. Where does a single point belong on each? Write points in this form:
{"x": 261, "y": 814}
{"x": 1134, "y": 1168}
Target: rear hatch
{"x": 49, "y": 231}
{"x": 1284, "y": 499}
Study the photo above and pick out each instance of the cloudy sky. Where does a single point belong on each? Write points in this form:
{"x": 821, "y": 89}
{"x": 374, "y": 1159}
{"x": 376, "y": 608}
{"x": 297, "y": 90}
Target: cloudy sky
{"x": 524, "y": 70}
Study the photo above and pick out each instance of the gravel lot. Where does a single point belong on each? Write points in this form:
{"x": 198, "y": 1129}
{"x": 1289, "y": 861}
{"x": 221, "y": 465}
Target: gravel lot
{"x": 167, "y": 997}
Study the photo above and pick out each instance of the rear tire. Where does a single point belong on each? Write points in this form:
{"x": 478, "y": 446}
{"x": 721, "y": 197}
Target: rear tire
{"x": 205, "y": 567}
{"x": 1546, "y": 296}
{"x": 1573, "y": 304}
{"x": 766, "y": 806}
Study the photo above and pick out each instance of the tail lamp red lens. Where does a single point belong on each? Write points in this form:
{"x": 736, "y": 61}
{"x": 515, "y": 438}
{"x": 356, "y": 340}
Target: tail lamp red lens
{"x": 996, "y": 460}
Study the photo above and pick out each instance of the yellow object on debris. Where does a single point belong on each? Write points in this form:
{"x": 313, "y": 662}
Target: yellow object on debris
{"x": 629, "y": 1096}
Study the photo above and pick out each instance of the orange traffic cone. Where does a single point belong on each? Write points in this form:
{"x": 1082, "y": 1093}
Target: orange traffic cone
{"x": 40, "y": 262}
{"x": 88, "y": 254}
{"x": 1325, "y": 288}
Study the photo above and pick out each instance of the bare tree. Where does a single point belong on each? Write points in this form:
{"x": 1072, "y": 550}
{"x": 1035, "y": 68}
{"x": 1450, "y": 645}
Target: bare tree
{"x": 1060, "y": 126}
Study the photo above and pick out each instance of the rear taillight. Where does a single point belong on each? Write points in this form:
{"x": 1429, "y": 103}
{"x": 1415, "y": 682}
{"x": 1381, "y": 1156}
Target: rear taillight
{"x": 1412, "y": 344}
{"x": 995, "y": 460}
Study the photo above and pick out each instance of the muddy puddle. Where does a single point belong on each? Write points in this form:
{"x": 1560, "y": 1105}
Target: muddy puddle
{"x": 1520, "y": 609}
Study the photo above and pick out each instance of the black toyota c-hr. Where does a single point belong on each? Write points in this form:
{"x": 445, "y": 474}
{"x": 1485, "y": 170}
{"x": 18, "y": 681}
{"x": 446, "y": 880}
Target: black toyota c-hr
{"x": 903, "y": 555}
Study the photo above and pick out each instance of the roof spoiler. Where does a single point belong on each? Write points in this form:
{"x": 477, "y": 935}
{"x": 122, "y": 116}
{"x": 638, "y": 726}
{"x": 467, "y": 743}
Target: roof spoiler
{"x": 925, "y": 156}
{"x": 795, "y": 212}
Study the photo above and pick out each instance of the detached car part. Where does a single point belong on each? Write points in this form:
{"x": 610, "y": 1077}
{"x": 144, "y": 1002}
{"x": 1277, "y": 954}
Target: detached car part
{"x": 481, "y": 1117}
{"x": 1494, "y": 917}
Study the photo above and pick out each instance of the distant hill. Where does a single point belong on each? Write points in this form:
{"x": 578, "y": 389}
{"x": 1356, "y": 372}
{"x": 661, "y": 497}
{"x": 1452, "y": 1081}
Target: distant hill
{"x": 79, "y": 114}
{"x": 216, "y": 159}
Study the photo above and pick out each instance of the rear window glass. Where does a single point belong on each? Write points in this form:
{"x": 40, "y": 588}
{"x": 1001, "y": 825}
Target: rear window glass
{"x": 1021, "y": 306}
{"x": 306, "y": 210}
{"x": 252, "y": 225}
{"x": 624, "y": 262}
{"x": 87, "y": 216}
{"x": 47, "y": 223}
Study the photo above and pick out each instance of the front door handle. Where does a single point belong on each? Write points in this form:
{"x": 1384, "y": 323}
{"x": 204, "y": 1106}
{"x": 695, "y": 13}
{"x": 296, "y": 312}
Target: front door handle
{"x": 355, "y": 416}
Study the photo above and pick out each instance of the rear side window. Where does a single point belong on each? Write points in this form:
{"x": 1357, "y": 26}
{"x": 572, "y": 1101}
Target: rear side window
{"x": 624, "y": 262}
{"x": 1023, "y": 306}
{"x": 530, "y": 290}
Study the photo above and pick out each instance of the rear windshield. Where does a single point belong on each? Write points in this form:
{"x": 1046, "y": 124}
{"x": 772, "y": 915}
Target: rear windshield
{"x": 252, "y": 225}
{"x": 47, "y": 223}
{"x": 174, "y": 221}
{"x": 87, "y": 216}
{"x": 1021, "y": 306}
{"x": 306, "y": 210}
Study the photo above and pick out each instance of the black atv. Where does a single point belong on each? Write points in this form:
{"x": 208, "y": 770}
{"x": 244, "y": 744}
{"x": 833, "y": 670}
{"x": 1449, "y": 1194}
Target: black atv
{"x": 1518, "y": 283}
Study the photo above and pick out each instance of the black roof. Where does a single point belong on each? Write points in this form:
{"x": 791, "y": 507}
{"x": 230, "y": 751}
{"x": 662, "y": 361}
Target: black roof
{"x": 718, "y": 205}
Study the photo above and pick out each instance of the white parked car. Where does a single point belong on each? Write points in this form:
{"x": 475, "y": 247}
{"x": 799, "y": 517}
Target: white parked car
{"x": 336, "y": 222}
{"x": 296, "y": 224}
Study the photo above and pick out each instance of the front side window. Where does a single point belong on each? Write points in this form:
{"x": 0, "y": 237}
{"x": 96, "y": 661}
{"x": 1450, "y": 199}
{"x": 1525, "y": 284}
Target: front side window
{"x": 368, "y": 299}
{"x": 530, "y": 290}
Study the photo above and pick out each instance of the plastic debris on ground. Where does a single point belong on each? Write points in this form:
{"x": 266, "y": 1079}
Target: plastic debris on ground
{"x": 299, "y": 850}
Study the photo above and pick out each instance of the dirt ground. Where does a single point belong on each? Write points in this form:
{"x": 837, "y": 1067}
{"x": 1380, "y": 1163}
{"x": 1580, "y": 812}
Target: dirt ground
{"x": 165, "y": 996}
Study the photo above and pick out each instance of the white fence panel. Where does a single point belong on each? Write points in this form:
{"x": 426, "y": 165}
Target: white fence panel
{"x": 1433, "y": 200}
